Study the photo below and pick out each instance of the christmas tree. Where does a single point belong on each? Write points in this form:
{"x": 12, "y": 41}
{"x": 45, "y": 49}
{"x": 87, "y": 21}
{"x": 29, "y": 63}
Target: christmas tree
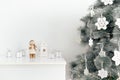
{"x": 101, "y": 32}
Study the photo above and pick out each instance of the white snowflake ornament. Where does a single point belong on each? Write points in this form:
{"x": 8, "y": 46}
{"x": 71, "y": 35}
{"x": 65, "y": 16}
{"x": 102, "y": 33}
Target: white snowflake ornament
{"x": 101, "y": 23}
{"x": 102, "y": 73}
{"x": 107, "y": 2}
{"x": 117, "y": 22}
{"x": 116, "y": 57}
{"x": 90, "y": 42}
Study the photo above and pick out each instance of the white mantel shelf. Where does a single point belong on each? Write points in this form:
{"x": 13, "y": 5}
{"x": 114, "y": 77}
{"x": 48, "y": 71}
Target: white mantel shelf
{"x": 31, "y": 63}
{"x": 26, "y": 61}
{"x": 24, "y": 69}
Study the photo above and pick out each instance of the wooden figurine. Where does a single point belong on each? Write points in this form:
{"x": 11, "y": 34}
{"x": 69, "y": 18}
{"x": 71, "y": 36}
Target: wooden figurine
{"x": 32, "y": 49}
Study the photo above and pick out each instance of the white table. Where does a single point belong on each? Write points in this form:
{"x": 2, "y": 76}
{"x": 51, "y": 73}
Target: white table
{"x": 23, "y": 69}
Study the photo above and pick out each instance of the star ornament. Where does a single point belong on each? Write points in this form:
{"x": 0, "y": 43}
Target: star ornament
{"x": 101, "y": 23}
{"x": 102, "y": 73}
{"x": 117, "y": 22}
{"x": 116, "y": 57}
{"x": 107, "y": 2}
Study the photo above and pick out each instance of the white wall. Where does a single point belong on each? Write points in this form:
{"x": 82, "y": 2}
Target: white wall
{"x": 53, "y": 21}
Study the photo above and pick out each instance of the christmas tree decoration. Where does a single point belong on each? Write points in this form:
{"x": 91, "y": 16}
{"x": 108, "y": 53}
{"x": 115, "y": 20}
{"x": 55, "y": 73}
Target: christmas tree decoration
{"x": 116, "y": 57}
{"x": 118, "y": 22}
{"x": 92, "y": 12}
{"x": 106, "y": 62}
{"x": 90, "y": 42}
{"x": 101, "y": 23}
{"x": 86, "y": 71}
{"x": 99, "y": 30}
{"x": 102, "y": 73}
{"x": 107, "y": 2}
{"x": 102, "y": 53}
{"x": 118, "y": 76}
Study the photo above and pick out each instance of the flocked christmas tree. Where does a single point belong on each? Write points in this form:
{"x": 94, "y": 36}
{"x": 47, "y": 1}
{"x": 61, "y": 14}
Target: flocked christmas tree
{"x": 102, "y": 33}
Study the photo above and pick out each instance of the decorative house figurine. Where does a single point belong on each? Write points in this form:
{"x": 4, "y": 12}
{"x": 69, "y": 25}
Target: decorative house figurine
{"x": 43, "y": 49}
{"x": 32, "y": 49}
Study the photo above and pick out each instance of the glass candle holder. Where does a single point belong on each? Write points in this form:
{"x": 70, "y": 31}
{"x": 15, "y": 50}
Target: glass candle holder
{"x": 9, "y": 53}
